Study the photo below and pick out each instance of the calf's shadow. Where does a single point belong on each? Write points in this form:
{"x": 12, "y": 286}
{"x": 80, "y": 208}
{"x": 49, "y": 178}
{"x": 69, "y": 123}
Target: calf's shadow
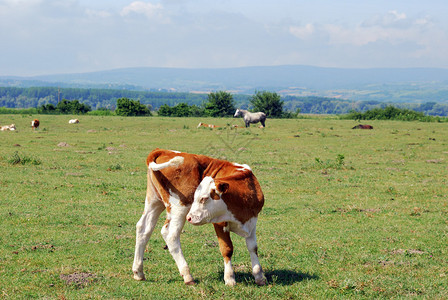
{"x": 278, "y": 277}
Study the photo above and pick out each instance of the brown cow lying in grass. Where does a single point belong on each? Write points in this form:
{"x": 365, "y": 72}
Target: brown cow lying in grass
{"x": 360, "y": 126}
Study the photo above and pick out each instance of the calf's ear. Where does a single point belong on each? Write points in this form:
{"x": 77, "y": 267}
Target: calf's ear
{"x": 222, "y": 187}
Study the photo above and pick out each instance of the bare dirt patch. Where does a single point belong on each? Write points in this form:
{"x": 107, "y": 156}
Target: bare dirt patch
{"x": 407, "y": 251}
{"x": 434, "y": 161}
{"x": 78, "y": 279}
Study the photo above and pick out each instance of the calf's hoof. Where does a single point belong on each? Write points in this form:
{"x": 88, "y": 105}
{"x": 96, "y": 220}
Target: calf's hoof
{"x": 188, "y": 280}
{"x": 230, "y": 282}
{"x": 139, "y": 277}
{"x": 261, "y": 281}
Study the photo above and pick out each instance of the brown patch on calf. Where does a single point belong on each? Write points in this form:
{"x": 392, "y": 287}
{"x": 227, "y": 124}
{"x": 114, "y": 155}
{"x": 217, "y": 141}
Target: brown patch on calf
{"x": 214, "y": 195}
{"x": 244, "y": 197}
{"x": 225, "y": 243}
{"x": 222, "y": 187}
{"x": 239, "y": 188}
{"x": 182, "y": 180}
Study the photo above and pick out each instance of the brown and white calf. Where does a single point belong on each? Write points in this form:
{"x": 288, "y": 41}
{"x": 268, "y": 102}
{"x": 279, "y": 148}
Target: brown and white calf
{"x": 73, "y": 121}
{"x": 207, "y": 125}
{"x": 35, "y": 124}
{"x": 11, "y": 127}
{"x": 202, "y": 190}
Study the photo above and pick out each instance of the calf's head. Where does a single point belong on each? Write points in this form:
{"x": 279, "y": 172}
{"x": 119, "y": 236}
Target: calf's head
{"x": 208, "y": 205}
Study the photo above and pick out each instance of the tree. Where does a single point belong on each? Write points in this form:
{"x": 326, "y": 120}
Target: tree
{"x": 72, "y": 107}
{"x": 268, "y": 102}
{"x": 165, "y": 111}
{"x": 47, "y": 109}
{"x": 220, "y": 104}
{"x": 65, "y": 107}
{"x": 127, "y": 107}
{"x": 180, "y": 110}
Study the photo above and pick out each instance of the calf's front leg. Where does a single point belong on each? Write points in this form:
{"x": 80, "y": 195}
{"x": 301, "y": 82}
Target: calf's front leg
{"x": 226, "y": 248}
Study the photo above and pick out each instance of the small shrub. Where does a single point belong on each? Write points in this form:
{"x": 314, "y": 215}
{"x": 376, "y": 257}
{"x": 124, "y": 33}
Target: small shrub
{"x": 340, "y": 160}
{"x": 338, "y": 163}
{"x": 391, "y": 113}
{"x": 116, "y": 167}
{"x": 101, "y": 112}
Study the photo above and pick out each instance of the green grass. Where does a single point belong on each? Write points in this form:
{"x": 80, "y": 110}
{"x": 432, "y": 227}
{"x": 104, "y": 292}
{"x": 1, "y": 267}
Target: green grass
{"x": 348, "y": 213}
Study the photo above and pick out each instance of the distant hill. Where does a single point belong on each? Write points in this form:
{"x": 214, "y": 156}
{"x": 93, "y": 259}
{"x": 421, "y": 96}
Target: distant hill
{"x": 381, "y": 84}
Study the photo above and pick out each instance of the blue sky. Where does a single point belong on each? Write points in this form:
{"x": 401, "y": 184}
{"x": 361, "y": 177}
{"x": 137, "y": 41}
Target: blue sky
{"x": 40, "y": 37}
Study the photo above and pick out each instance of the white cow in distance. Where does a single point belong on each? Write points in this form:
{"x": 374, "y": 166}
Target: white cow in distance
{"x": 11, "y": 127}
{"x": 73, "y": 121}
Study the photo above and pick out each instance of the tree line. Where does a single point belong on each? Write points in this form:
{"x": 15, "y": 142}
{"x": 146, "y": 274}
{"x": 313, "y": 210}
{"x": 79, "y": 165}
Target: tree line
{"x": 218, "y": 104}
{"x": 222, "y": 104}
{"x": 181, "y": 104}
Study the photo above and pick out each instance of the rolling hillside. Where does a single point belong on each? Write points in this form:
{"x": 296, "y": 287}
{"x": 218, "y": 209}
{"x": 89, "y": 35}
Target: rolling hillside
{"x": 391, "y": 85}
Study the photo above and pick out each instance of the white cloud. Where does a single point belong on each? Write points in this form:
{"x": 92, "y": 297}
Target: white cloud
{"x": 302, "y": 32}
{"x": 147, "y": 9}
{"x": 97, "y": 13}
{"x": 394, "y": 16}
{"x": 389, "y": 20}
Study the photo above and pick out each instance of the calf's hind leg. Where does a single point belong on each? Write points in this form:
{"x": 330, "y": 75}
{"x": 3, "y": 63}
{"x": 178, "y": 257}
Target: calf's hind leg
{"x": 171, "y": 234}
{"x": 145, "y": 227}
{"x": 257, "y": 271}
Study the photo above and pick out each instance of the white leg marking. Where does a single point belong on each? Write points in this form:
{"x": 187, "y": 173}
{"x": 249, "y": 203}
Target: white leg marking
{"x": 145, "y": 227}
{"x": 171, "y": 234}
{"x": 257, "y": 271}
{"x": 229, "y": 275}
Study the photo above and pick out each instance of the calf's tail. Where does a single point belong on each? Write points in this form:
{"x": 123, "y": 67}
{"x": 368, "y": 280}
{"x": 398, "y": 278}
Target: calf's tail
{"x": 174, "y": 162}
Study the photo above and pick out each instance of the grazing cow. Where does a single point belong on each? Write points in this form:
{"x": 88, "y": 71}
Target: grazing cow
{"x": 249, "y": 117}
{"x": 11, "y": 127}
{"x": 360, "y": 126}
{"x": 73, "y": 121}
{"x": 35, "y": 124}
{"x": 207, "y": 125}
{"x": 202, "y": 190}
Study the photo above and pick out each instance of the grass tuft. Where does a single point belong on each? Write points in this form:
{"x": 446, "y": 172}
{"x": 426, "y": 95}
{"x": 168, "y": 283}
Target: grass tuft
{"x": 17, "y": 159}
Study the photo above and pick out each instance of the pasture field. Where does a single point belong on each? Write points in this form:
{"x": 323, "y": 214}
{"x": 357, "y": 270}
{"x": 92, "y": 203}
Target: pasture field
{"x": 348, "y": 213}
